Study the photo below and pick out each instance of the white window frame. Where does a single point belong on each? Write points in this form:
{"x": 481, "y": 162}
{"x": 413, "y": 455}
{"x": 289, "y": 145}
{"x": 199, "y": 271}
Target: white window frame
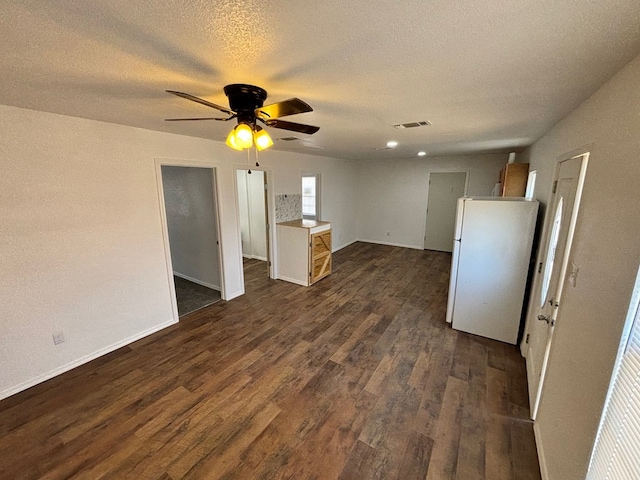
{"x": 531, "y": 185}
{"x": 318, "y": 195}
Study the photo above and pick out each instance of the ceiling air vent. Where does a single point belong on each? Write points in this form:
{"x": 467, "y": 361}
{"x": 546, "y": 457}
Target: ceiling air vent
{"x": 288, "y": 139}
{"x": 423, "y": 123}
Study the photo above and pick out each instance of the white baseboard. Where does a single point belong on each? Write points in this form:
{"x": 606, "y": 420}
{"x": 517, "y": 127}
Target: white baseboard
{"x": 344, "y": 246}
{"x": 254, "y": 257}
{"x": 233, "y": 295}
{"x": 292, "y": 280}
{"x": 82, "y": 360}
{"x": 544, "y": 473}
{"x": 392, "y": 244}
{"x": 195, "y": 280}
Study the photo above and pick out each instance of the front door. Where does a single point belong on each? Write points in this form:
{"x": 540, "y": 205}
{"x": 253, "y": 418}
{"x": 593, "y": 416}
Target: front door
{"x": 444, "y": 191}
{"x": 561, "y": 219}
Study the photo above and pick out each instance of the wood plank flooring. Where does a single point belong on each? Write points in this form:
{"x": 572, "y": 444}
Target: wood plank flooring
{"x": 356, "y": 377}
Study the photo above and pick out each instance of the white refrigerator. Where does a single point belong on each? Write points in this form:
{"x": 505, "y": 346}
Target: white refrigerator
{"x": 490, "y": 263}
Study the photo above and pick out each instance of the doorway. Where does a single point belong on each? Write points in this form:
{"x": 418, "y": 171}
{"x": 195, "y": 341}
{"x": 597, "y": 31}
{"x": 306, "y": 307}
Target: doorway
{"x": 554, "y": 262}
{"x": 252, "y": 191}
{"x": 191, "y": 214}
{"x": 444, "y": 191}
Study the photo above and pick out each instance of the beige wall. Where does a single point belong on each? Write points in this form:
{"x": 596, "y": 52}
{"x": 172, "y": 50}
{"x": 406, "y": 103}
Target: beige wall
{"x": 606, "y": 250}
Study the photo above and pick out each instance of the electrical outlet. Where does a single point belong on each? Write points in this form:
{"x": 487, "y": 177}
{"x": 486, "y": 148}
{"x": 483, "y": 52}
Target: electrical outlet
{"x": 388, "y": 234}
{"x": 58, "y": 338}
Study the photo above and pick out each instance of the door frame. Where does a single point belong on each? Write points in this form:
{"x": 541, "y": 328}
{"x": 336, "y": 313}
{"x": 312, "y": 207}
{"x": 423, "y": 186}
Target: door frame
{"x": 426, "y": 210}
{"x": 533, "y": 306}
{"x": 159, "y": 163}
{"x": 270, "y": 208}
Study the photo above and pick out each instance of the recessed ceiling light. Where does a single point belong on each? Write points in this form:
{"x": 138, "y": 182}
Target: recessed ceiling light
{"x": 392, "y": 144}
{"x": 422, "y": 153}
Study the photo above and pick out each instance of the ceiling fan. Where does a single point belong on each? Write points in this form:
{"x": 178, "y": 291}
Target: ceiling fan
{"x": 246, "y": 103}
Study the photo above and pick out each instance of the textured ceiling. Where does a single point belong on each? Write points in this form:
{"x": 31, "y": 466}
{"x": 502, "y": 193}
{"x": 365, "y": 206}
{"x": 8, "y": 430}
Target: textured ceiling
{"x": 490, "y": 75}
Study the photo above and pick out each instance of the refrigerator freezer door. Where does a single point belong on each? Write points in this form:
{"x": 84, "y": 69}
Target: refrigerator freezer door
{"x": 459, "y": 216}
{"x": 453, "y": 277}
{"x": 493, "y": 263}
{"x": 454, "y": 260}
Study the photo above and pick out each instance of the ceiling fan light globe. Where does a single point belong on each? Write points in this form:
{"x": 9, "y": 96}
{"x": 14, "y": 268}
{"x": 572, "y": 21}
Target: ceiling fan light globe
{"x": 262, "y": 139}
{"x": 244, "y": 136}
{"x": 231, "y": 140}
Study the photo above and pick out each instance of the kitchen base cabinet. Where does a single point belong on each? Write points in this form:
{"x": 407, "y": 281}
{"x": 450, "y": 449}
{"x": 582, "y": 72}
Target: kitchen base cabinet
{"x": 304, "y": 251}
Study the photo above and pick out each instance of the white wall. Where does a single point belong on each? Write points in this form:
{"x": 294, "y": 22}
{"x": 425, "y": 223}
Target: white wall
{"x": 607, "y": 251}
{"x": 392, "y": 194}
{"x": 191, "y": 220}
{"x": 81, "y": 238}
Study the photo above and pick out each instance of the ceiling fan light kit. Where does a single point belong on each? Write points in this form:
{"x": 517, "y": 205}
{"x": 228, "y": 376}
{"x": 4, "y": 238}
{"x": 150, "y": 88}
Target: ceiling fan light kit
{"x": 245, "y": 136}
{"x": 246, "y": 104}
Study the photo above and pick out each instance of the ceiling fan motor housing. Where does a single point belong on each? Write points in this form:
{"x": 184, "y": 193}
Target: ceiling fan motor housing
{"x": 244, "y": 100}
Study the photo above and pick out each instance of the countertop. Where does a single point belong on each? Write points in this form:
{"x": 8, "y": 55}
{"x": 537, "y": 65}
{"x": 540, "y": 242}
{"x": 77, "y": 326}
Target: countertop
{"x": 303, "y": 223}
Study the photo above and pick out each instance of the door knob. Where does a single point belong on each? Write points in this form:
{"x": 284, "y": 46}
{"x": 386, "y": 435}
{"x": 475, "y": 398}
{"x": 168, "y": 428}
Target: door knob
{"x": 545, "y": 318}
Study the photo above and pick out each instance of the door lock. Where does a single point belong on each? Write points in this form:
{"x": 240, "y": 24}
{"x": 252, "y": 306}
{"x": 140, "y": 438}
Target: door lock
{"x": 545, "y": 318}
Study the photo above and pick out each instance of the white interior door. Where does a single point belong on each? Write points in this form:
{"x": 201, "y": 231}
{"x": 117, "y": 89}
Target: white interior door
{"x": 444, "y": 191}
{"x": 252, "y": 207}
{"x": 561, "y": 219}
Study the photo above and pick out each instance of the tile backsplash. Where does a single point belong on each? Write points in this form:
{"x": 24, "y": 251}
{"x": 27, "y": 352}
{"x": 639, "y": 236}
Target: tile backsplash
{"x": 288, "y": 207}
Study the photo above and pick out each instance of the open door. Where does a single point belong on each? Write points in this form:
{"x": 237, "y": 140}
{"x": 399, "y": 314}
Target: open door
{"x": 191, "y": 230}
{"x": 253, "y": 209}
{"x": 560, "y": 226}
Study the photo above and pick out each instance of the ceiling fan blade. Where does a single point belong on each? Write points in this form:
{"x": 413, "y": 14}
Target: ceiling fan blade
{"x": 284, "y": 108}
{"x": 295, "y": 127}
{"x": 202, "y": 118}
{"x": 201, "y": 101}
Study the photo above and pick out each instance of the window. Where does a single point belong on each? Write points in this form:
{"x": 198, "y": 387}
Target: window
{"x": 531, "y": 185}
{"x": 311, "y": 196}
{"x": 617, "y": 451}
{"x": 551, "y": 254}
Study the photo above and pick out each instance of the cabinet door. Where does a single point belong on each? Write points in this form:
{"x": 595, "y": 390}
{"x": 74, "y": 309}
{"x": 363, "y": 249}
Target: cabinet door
{"x": 320, "y": 256}
{"x": 515, "y": 178}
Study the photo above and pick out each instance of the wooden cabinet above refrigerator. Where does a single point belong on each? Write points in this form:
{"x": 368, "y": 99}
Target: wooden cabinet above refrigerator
{"x": 513, "y": 179}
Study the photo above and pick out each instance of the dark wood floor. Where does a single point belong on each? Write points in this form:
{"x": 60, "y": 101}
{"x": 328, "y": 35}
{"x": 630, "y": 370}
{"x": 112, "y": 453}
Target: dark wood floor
{"x": 356, "y": 377}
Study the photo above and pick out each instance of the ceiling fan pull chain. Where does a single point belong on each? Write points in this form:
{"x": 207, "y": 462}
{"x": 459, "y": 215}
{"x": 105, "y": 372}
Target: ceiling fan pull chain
{"x": 257, "y": 164}
{"x": 249, "y": 160}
